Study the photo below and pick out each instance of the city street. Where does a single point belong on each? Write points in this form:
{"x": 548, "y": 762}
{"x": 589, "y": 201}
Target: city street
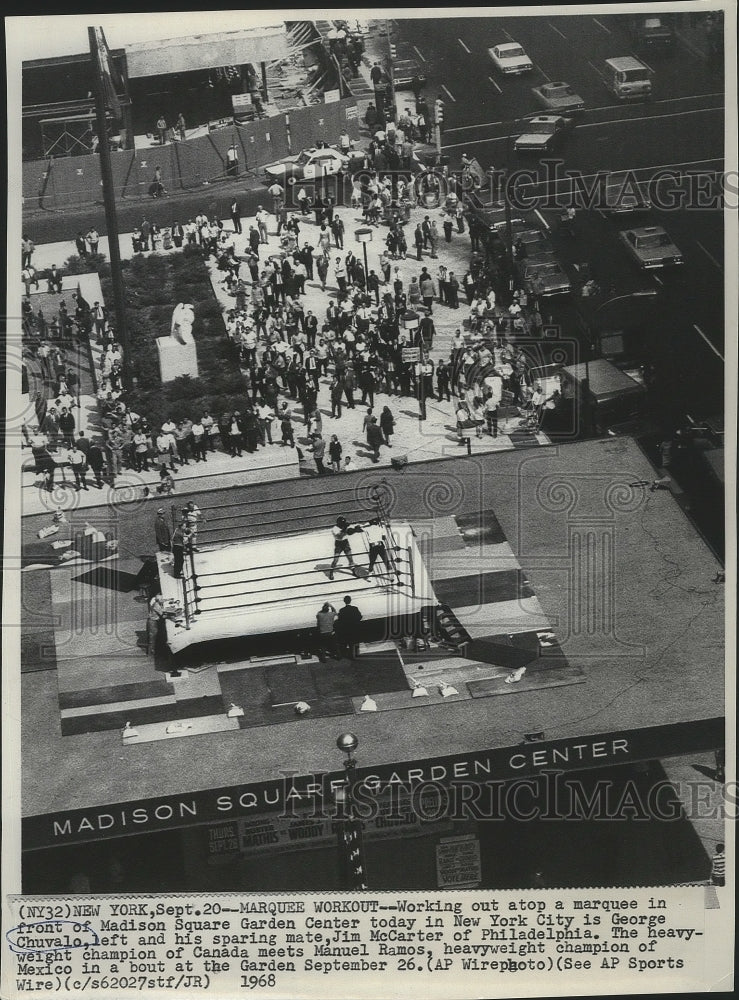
{"x": 678, "y": 133}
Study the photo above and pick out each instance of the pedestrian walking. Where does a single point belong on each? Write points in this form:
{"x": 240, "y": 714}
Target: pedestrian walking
{"x": 418, "y": 240}
{"x": 490, "y": 408}
{"x": 319, "y": 450}
{"x": 374, "y": 438}
{"x": 322, "y": 268}
{"x": 96, "y": 461}
{"x": 78, "y": 461}
{"x": 334, "y": 453}
{"x": 337, "y": 228}
{"x": 387, "y": 424}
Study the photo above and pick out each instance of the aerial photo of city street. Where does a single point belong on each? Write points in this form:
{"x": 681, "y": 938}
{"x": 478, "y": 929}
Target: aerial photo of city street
{"x": 368, "y": 437}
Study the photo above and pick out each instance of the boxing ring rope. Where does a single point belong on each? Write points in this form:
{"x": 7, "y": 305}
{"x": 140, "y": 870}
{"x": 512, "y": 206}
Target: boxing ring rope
{"x": 209, "y": 530}
{"x": 387, "y": 528}
{"x": 204, "y": 592}
{"x": 189, "y": 587}
{"x": 323, "y": 594}
{"x": 200, "y": 588}
{"x": 265, "y": 579}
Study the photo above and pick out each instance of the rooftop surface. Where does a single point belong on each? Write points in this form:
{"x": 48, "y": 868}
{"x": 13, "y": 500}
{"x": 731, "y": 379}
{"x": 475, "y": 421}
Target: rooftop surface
{"x": 645, "y": 626}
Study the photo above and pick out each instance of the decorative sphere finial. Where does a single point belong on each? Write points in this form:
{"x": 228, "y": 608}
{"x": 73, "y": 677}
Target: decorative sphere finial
{"x": 347, "y": 743}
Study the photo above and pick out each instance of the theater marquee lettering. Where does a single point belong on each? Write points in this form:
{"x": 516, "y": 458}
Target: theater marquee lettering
{"x": 293, "y": 794}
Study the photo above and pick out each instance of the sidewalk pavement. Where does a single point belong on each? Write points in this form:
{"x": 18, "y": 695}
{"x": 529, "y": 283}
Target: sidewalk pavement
{"x": 434, "y": 438}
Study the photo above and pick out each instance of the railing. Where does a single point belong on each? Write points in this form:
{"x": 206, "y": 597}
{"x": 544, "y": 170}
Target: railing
{"x": 189, "y": 588}
{"x": 234, "y": 522}
{"x": 381, "y": 512}
{"x": 201, "y": 588}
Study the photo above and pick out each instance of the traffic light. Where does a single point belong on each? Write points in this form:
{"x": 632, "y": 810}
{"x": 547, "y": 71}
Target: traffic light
{"x": 439, "y": 112}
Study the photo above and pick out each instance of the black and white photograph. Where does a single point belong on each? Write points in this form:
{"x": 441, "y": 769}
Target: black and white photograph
{"x": 368, "y": 526}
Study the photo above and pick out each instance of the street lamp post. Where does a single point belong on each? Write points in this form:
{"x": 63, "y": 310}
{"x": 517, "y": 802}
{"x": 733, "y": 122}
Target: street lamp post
{"x": 349, "y": 828}
{"x": 411, "y": 322}
{"x": 364, "y": 236}
{"x": 507, "y": 210}
{"x": 391, "y": 60}
{"x": 106, "y": 99}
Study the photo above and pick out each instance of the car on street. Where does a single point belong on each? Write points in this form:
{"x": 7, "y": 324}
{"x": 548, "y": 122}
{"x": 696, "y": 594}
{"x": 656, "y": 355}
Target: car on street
{"x": 405, "y": 71}
{"x": 491, "y": 215}
{"x": 542, "y": 133}
{"x": 652, "y": 32}
{"x": 544, "y": 276}
{"x": 528, "y": 241}
{"x": 510, "y": 58}
{"x": 558, "y": 96}
{"x": 623, "y": 194}
{"x": 651, "y": 247}
{"x": 308, "y": 165}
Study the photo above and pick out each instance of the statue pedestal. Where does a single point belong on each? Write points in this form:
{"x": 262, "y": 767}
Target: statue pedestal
{"x": 176, "y": 359}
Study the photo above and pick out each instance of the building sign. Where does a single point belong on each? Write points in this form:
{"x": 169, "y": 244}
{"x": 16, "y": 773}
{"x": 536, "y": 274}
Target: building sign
{"x": 396, "y": 817}
{"x": 458, "y": 862}
{"x": 352, "y": 111}
{"x": 223, "y": 843}
{"x": 293, "y": 794}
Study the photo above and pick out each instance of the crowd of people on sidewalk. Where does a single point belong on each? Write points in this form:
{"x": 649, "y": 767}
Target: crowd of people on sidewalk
{"x": 374, "y": 336}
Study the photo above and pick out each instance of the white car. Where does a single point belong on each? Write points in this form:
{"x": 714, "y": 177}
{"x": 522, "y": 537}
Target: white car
{"x": 509, "y": 57}
{"x": 310, "y": 165}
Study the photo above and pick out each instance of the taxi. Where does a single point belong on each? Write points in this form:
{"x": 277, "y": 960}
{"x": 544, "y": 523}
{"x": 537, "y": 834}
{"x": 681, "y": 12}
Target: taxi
{"x": 308, "y": 165}
{"x": 542, "y": 133}
{"x": 558, "y": 96}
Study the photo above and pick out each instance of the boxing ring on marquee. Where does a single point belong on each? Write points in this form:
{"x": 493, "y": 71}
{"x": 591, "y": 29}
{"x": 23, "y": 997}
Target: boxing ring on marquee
{"x": 249, "y": 575}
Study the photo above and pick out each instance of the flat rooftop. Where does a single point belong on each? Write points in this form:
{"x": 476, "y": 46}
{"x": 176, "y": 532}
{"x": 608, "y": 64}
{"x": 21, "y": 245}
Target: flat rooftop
{"x": 646, "y": 629}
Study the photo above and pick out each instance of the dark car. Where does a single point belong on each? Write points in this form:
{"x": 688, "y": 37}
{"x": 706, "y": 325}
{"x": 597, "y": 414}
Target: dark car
{"x": 652, "y": 32}
{"x": 529, "y": 242}
{"x": 651, "y": 247}
{"x": 490, "y": 214}
{"x": 405, "y": 71}
{"x": 623, "y": 194}
{"x": 544, "y": 276}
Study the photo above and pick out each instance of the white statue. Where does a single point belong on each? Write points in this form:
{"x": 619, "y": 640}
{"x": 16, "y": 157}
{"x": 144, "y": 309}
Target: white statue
{"x": 183, "y": 317}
